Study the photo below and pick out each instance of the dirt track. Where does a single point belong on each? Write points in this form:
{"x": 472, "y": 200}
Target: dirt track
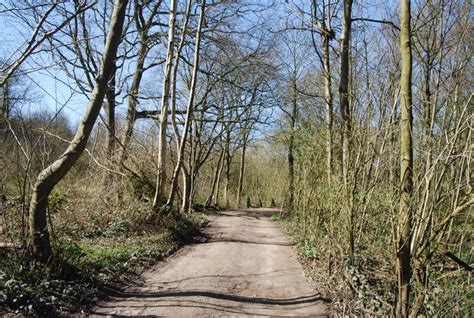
{"x": 248, "y": 267}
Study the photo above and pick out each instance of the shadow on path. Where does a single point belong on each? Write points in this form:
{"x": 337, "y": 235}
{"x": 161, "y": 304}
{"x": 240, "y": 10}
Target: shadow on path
{"x": 222, "y": 296}
{"x": 231, "y": 240}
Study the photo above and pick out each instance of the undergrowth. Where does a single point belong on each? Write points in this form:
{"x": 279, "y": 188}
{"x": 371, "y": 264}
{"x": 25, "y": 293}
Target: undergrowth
{"x": 366, "y": 286}
{"x": 355, "y": 288}
{"x": 84, "y": 269}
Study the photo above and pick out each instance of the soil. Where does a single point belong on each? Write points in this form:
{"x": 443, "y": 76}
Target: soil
{"x": 247, "y": 267}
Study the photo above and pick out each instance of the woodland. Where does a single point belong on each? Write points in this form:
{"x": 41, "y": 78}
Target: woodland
{"x": 124, "y": 122}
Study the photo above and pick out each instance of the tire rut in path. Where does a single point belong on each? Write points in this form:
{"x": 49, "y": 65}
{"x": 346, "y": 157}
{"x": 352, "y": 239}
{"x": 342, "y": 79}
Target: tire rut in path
{"x": 247, "y": 267}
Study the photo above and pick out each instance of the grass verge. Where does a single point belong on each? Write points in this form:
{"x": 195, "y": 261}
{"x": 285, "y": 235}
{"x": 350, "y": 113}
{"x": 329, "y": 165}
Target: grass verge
{"x": 83, "y": 270}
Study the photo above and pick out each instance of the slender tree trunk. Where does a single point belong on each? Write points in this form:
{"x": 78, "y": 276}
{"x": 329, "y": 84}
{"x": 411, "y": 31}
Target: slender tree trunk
{"x": 406, "y": 164}
{"x": 215, "y": 179}
{"x": 109, "y": 112}
{"x": 346, "y": 116}
{"x": 329, "y": 106}
{"x": 189, "y": 171}
{"x": 143, "y": 49}
{"x": 215, "y": 171}
{"x": 228, "y": 161}
{"x": 392, "y": 142}
{"x": 189, "y": 111}
{"x": 187, "y": 179}
{"x": 241, "y": 172}
{"x": 291, "y": 171}
{"x": 185, "y": 174}
{"x": 219, "y": 178}
{"x": 193, "y": 177}
{"x": 344, "y": 88}
{"x": 226, "y": 186}
{"x": 132, "y": 104}
{"x": 5, "y": 100}
{"x": 49, "y": 177}
{"x": 227, "y": 181}
{"x": 161, "y": 170}
{"x": 291, "y": 147}
{"x": 186, "y": 205}
{"x": 421, "y": 226}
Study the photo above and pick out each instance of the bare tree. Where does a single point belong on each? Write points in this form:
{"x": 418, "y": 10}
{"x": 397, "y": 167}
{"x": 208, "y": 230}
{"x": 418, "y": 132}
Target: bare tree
{"x": 162, "y": 142}
{"x": 322, "y": 16}
{"x": 344, "y": 100}
{"x": 39, "y": 35}
{"x": 189, "y": 111}
{"x": 146, "y": 39}
{"x": 406, "y": 163}
{"x": 49, "y": 177}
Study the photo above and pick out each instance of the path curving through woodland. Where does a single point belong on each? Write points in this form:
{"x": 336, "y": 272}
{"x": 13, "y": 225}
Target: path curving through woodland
{"x": 247, "y": 267}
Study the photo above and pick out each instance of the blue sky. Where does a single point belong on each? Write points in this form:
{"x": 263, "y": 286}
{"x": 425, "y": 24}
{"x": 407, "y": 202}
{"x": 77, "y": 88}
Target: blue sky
{"x": 56, "y": 94}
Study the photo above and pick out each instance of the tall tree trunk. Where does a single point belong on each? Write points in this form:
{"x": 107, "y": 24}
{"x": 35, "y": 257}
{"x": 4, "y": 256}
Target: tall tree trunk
{"x": 392, "y": 169}
{"x": 344, "y": 88}
{"x": 49, "y": 177}
{"x": 329, "y": 106}
{"x": 406, "y": 164}
{"x": 241, "y": 171}
{"x": 132, "y": 104}
{"x": 228, "y": 160}
{"x": 421, "y": 226}
{"x": 189, "y": 110}
{"x": 161, "y": 170}
{"x": 143, "y": 28}
{"x": 185, "y": 174}
{"x": 215, "y": 179}
{"x": 186, "y": 204}
{"x": 188, "y": 171}
{"x": 218, "y": 181}
{"x": 109, "y": 112}
{"x": 346, "y": 116}
{"x": 291, "y": 146}
{"x": 227, "y": 181}
{"x": 193, "y": 177}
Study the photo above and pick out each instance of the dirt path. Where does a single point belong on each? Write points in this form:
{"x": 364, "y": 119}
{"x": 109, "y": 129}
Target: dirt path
{"x": 248, "y": 267}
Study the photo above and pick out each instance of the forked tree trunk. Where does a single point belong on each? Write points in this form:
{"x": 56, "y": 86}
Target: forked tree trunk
{"x": 143, "y": 33}
{"x": 186, "y": 186}
{"x": 49, "y": 177}
{"x": 189, "y": 110}
{"x": 406, "y": 164}
{"x": 161, "y": 170}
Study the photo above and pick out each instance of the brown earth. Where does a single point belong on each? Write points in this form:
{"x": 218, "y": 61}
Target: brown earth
{"x": 248, "y": 267}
